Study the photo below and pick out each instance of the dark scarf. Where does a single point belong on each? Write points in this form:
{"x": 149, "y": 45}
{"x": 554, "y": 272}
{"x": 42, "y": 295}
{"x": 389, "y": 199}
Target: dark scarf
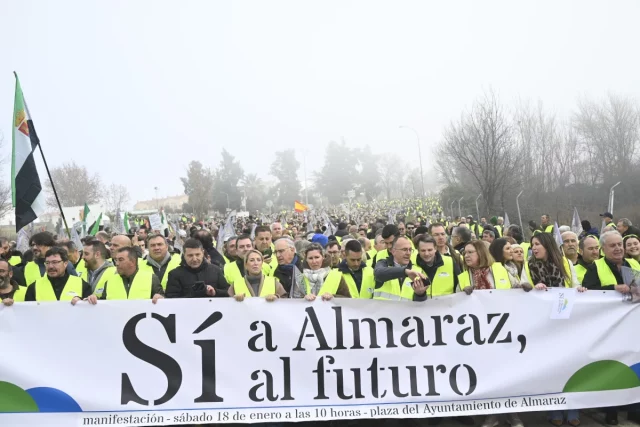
{"x": 289, "y": 267}
{"x": 546, "y": 273}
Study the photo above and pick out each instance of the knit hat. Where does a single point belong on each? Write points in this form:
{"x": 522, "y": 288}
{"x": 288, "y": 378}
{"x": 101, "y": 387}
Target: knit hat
{"x": 321, "y": 239}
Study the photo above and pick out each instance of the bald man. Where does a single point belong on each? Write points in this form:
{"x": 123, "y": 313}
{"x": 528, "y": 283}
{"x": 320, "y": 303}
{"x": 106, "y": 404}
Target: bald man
{"x": 117, "y": 242}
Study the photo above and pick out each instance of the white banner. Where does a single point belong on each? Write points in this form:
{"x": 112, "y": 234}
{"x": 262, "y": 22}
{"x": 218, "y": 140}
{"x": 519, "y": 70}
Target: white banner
{"x": 132, "y": 363}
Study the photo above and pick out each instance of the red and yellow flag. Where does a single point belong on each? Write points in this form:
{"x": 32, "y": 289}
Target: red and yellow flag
{"x": 299, "y": 207}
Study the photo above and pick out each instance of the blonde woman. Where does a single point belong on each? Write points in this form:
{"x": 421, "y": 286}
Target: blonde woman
{"x": 255, "y": 283}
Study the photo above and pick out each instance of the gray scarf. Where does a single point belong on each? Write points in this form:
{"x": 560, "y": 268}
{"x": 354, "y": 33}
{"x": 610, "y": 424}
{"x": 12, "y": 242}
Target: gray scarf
{"x": 316, "y": 278}
{"x": 153, "y": 263}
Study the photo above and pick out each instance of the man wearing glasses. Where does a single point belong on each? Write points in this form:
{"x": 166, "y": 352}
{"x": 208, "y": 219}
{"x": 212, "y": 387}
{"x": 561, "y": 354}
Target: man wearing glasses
{"x": 390, "y": 273}
{"x": 41, "y": 243}
{"x": 58, "y": 284}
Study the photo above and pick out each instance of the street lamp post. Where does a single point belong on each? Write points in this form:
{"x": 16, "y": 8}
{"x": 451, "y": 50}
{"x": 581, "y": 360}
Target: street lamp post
{"x": 518, "y": 206}
{"x": 611, "y": 194}
{"x": 157, "y": 201}
{"x": 477, "y": 208}
{"x": 460, "y": 210}
{"x": 419, "y": 156}
{"x": 453, "y": 214}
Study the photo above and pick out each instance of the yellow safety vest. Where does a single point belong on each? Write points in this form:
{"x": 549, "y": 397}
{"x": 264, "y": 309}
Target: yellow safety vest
{"x": 19, "y": 294}
{"x": 269, "y": 268}
{"x": 525, "y": 248}
{"x": 330, "y": 285}
{"x": 633, "y": 263}
{"x": 366, "y": 287}
{"x": 268, "y": 287}
{"x": 15, "y": 260}
{"x": 107, "y": 274}
{"x": 383, "y": 254}
{"x": 232, "y": 272}
{"x": 499, "y": 230}
{"x": 173, "y": 263}
{"x": 580, "y": 271}
{"x": 140, "y": 288}
{"x": 442, "y": 284}
{"x": 81, "y": 268}
{"x": 32, "y": 273}
{"x": 500, "y": 277}
{"x": 548, "y": 229}
{"x": 44, "y": 289}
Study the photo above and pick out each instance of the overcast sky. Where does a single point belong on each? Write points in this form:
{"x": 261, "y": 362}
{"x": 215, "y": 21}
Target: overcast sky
{"x": 135, "y": 90}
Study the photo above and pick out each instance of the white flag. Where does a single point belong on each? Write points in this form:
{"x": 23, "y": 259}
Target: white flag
{"x": 507, "y": 223}
{"x": 576, "y": 224}
{"x": 556, "y": 234}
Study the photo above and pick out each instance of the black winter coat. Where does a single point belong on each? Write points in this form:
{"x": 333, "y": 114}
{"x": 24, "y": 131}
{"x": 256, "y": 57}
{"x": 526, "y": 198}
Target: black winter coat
{"x": 181, "y": 281}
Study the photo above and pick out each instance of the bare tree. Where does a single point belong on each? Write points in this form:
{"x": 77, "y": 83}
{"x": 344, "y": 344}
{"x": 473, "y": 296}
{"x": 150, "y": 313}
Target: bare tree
{"x": 391, "y": 174}
{"x": 75, "y": 186}
{"x": 482, "y": 150}
{"x": 610, "y": 131}
{"x": 5, "y": 189}
{"x": 115, "y": 198}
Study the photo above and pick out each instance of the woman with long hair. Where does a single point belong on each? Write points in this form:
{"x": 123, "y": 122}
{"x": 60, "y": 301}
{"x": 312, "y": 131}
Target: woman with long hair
{"x": 482, "y": 271}
{"x": 632, "y": 250}
{"x": 318, "y": 277}
{"x": 501, "y": 251}
{"x": 254, "y": 283}
{"x": 548, "y": 268}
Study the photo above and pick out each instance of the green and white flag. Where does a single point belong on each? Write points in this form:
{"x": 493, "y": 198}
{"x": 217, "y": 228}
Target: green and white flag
{"x": 126, "y": 222}
{"x": 85, "y": 215}
{"x": 96, "y": 225}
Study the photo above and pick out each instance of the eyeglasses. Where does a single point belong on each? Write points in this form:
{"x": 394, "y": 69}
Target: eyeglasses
{"x": 405, "y": 250}
{"x": 52, "y": 262}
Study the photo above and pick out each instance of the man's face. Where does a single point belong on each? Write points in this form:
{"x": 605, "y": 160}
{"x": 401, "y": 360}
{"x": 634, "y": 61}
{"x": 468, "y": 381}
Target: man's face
{"x": 439, "y": 235}
{"x": 354, "y": 260}
{"x": 89, "y": 257}
{"x": 362, "y": 233}
{"x": 116, "y": 243}
{"x": 487, "y": 237}
{"x": 243, "y": 246}
{"x": 402, "y": 252}
{"x": 276, "y": 230}
{"x": 124, "y": 265}
{"x": 232, "y": 248}
{"x": 379, "y": 243}
{"x": 621, "y": 227}
{"x": 544, "y": 220}
{"x": 388, "y": 242}
{"x": 194, "y": 257}
{"x": 455, "y": 239}
{"x": 613, "y": 249}
{"x": 263, "y": 241}
{"x": 402, "y": 229}
{"x": 5, "y": 270}
{"x": 55, "y": 266}
{"x": 4, "y": 250}
{"x": 39, "y": 250}
{"x": 591, "y": 250}
{"x": 483, "y": 221}
{"x": 284, "y": 253}
{"x": 74, "y": 255}
{"x": 427, "y": 252}
{"x": 334, "y": 255}
{"x": 570, "y": 244}
{"x": 142, "y": 234}
{"x": 158, "y": 248}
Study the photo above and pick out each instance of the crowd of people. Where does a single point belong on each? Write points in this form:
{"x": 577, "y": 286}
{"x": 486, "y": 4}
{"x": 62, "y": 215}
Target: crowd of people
{"x": 401, "y": 250}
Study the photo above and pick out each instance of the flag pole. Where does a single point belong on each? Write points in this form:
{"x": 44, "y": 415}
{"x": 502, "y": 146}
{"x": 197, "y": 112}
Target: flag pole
{"x": 55, "y": 193}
